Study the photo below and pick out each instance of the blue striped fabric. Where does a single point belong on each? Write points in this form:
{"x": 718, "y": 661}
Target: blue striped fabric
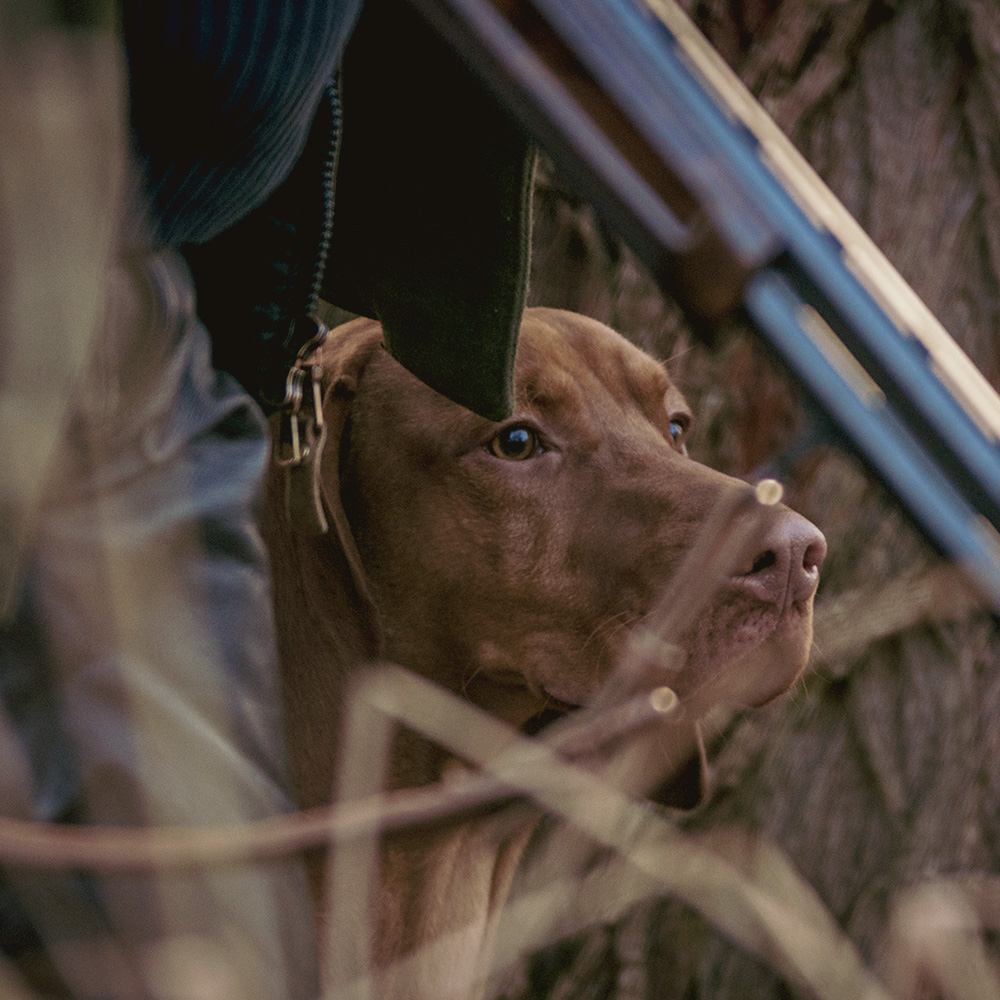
{"x": 222, "y": 96}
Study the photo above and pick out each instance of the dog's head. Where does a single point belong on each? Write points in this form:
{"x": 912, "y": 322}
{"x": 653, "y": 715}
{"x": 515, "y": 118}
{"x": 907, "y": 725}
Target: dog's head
{"x": 511, "y": 561}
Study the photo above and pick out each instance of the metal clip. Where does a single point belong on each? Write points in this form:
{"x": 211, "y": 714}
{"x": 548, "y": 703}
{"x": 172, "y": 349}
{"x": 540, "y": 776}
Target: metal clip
{"x": 301, "y": 438}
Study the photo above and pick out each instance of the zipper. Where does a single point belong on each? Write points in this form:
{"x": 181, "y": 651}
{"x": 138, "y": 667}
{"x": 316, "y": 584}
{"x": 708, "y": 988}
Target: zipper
{"x": 302, "y": 429}
{"x": 329, "y": 175}
{"x": 306, "y": 330}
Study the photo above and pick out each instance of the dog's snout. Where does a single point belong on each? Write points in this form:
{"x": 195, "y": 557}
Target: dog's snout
{"x": 786, "y": 564}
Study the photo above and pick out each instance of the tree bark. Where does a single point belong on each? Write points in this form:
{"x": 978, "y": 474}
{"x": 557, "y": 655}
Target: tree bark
{"x": 878, "y": 776}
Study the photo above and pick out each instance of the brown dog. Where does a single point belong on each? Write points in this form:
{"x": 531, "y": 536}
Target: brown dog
{"x": 508, "y": 563}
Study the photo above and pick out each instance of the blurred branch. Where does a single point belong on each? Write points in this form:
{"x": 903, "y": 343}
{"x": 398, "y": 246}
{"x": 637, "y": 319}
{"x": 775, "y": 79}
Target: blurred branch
{"x": 62, "y": 140}
{"x": 847, "y": 625}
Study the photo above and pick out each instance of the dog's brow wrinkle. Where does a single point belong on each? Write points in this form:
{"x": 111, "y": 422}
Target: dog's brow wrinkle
{"x": 648, "y": 384}
{"x": 558, "y": 396}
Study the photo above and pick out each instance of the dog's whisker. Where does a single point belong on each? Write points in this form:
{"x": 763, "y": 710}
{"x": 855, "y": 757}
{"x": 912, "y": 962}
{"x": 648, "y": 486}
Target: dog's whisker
{"x": 610, "y": 627}
{"x": 469, "y": 676}
{"x": 677, "y": 354}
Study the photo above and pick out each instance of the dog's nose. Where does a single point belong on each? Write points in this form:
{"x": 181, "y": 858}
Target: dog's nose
{"x": 786, "y": 567}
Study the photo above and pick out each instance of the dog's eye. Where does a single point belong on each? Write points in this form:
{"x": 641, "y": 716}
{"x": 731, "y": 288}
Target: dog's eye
{"x": 515, "y": 443}
{"x": 678, "y": 429}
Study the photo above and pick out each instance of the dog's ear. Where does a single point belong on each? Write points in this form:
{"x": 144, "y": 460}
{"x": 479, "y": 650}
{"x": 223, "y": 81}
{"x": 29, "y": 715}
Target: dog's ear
{"x": 310, "y": 517}
{"x": 344, "y": 358}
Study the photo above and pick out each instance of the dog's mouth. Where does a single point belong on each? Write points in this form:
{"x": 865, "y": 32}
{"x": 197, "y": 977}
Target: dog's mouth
{"x": 553, "y": 712}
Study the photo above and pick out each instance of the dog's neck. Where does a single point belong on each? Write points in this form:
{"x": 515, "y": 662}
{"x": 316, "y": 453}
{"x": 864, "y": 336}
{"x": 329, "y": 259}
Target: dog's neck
{"x": 441, "y": 897}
